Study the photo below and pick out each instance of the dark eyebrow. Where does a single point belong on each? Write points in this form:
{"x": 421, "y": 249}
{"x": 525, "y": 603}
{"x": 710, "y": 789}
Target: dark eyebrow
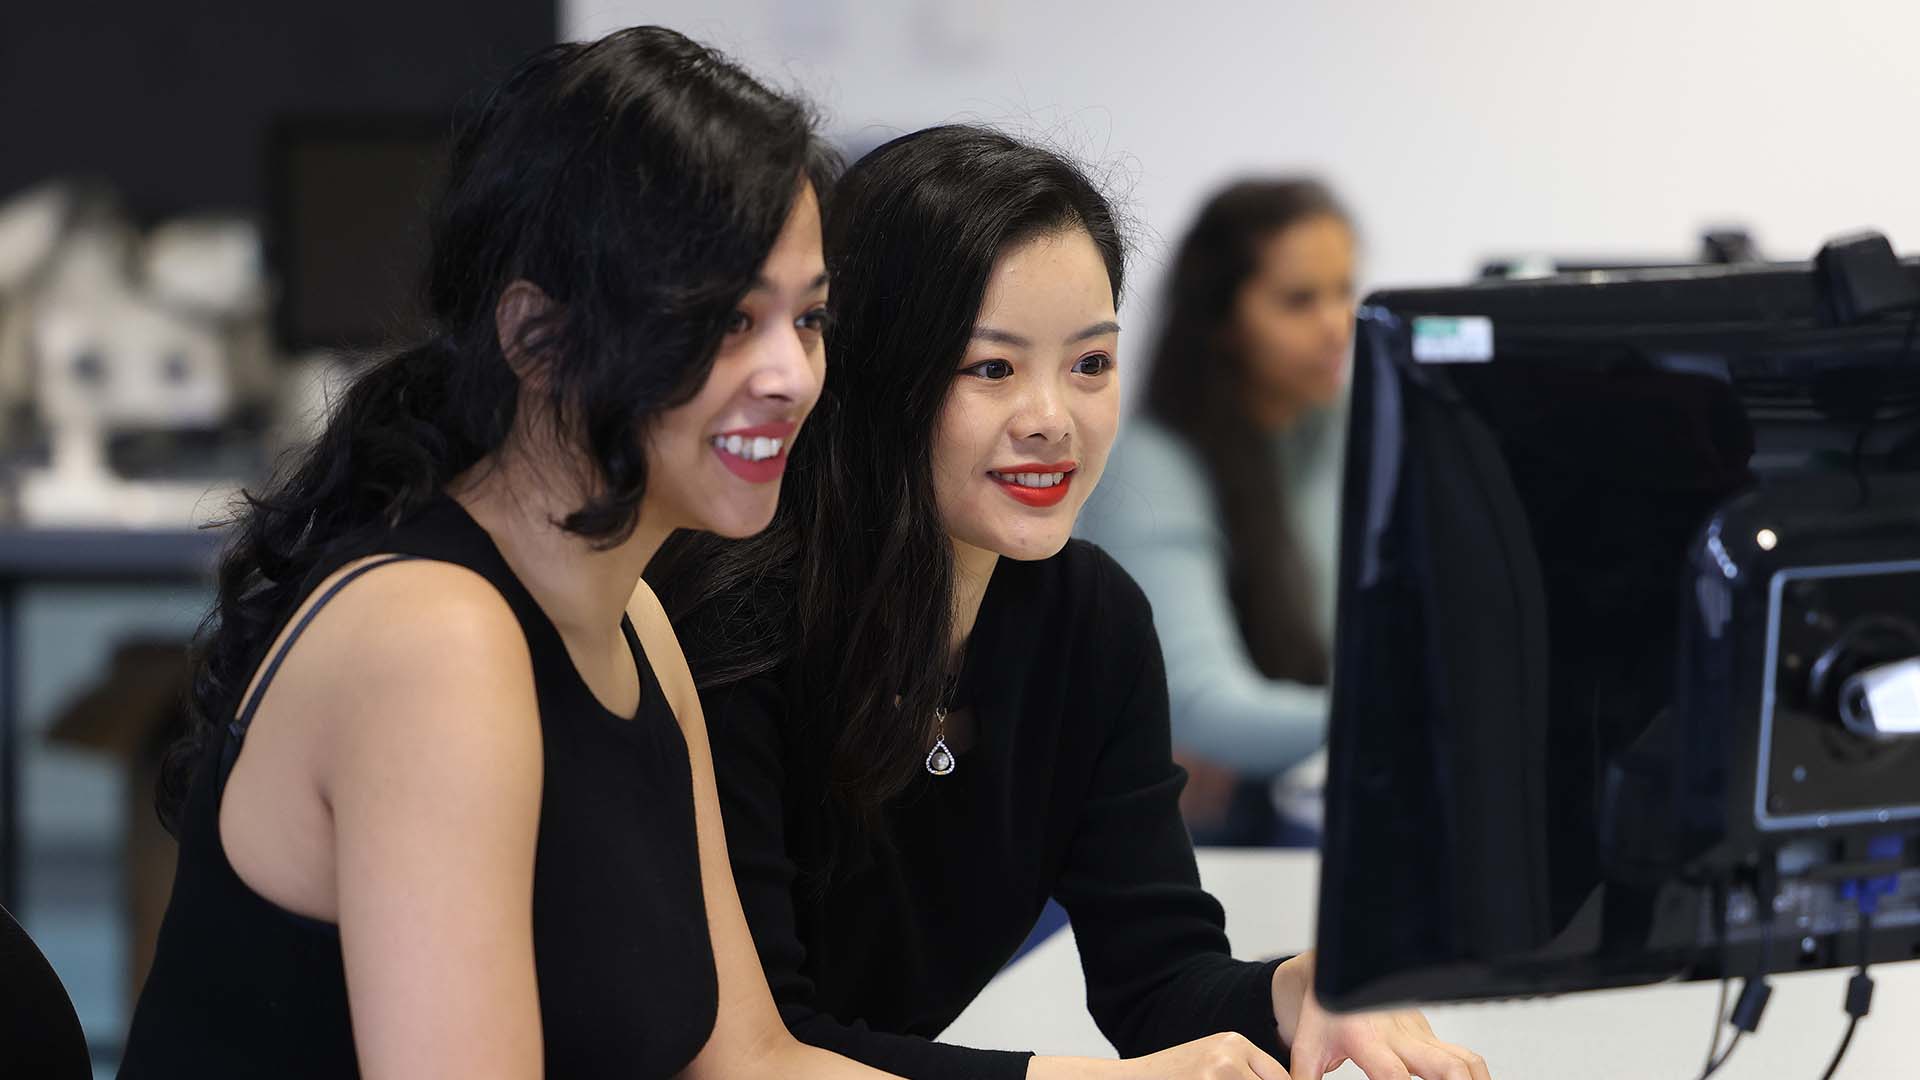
{"x": 1000, "y": 337}
{"x": 1096, "y": 330}
{"x": 1008, "y": 337}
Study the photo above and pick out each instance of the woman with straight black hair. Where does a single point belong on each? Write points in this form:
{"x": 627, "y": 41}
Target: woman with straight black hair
{"x": 447, "y": 807}
{"x": 931, "y": 711}
{"x": 1222, "y": 498}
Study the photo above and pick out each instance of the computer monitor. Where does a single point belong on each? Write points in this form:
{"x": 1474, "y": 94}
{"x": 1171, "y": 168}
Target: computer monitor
{"x": 1718, "y": 247}
{"x": 1620, "y": 557}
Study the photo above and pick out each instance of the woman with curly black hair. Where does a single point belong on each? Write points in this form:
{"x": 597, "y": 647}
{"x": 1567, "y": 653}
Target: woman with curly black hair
{"x": 447, "y": 809}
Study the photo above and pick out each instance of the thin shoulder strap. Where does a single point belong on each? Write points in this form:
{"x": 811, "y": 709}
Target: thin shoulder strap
{"x": 238, "y": 726}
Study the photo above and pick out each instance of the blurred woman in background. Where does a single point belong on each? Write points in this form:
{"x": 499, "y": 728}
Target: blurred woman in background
{"x": 1222, "y": 496}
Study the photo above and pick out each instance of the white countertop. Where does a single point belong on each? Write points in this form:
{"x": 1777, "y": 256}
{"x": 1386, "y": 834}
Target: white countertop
{"x": 1653, "y": 1032}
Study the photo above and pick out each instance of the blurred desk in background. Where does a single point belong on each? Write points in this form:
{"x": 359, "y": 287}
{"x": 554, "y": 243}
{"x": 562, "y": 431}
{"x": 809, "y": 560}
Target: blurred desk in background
{"x": 30, "y": 557}
{"x": 1653, "y": 1032}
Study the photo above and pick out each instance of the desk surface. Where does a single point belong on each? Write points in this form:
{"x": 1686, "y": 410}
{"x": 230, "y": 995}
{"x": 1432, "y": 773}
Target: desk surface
{"x": 1646, "y": 1033}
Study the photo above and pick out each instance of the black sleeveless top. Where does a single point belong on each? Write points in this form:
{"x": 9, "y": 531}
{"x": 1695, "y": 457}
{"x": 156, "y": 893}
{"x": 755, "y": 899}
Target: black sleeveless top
{"x": 243, "y": 988}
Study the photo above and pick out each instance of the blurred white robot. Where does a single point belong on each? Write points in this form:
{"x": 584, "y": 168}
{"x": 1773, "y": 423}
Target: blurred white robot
{"x": 105, "y": 333}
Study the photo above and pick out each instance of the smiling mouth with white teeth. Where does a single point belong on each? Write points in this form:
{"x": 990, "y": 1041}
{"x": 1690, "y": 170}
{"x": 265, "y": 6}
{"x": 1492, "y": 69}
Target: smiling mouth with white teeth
{"x": 1028, "y": 479}
{"x": 1040, "y": 485}
{"x": 751, "y": 448}
{"x": 757, "y": 454}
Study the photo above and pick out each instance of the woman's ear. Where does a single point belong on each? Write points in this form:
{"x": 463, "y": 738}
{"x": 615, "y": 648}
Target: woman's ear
{"x": 516, "y": 319}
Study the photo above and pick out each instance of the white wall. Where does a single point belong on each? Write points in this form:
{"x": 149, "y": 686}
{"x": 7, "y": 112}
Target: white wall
{"x": 1455, "y": 128}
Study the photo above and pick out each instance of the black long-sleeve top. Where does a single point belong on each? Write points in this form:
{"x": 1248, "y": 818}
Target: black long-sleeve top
{"x": 1065, "y": 787}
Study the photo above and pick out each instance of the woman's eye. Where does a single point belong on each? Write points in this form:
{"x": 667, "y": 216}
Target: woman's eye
{"x": 993, "y": 370}
{"x": 1095, "y": 364}
{"x": 816, "y": 320}
{"x": 739, "y": 323}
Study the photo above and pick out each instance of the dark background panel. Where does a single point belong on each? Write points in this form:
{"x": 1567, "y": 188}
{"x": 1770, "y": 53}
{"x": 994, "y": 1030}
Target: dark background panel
{"x": 172, "y": 103}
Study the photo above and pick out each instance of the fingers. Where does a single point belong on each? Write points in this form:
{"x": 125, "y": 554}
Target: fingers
{"x": 1380, "y": 1062}
{"x": 1435, "y": 1060}
{"x": 1263, "y": 1066}
{"x": 1233, "y": 1055}
{"x": 1386, "y": 1047}
{"x": 1476, "y": 1065}
{"x": 1412, "y": 1038}
{"x": 1309, "y": 1054}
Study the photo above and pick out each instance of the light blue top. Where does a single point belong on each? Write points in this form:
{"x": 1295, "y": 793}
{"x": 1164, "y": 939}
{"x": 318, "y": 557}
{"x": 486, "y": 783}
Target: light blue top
{"x": 1156, "y": 513}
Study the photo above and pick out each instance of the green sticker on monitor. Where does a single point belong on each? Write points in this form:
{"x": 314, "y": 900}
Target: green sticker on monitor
{"x": 1452, "y": 339}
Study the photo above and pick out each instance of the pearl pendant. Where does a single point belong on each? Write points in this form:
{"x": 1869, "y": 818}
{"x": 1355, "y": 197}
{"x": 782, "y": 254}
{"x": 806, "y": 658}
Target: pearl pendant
{"x": 940, "y": 759}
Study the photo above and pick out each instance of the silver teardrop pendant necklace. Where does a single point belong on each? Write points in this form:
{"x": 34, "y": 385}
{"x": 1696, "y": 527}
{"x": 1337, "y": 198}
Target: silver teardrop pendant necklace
{"x": 940, "y": 759}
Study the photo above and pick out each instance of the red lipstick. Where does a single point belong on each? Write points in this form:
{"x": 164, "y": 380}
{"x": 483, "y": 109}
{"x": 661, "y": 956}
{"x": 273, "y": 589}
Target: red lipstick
{"x": 780, "y": 429}
{"x": 761, "y": 470}
{"x": 1035, "y": 496}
